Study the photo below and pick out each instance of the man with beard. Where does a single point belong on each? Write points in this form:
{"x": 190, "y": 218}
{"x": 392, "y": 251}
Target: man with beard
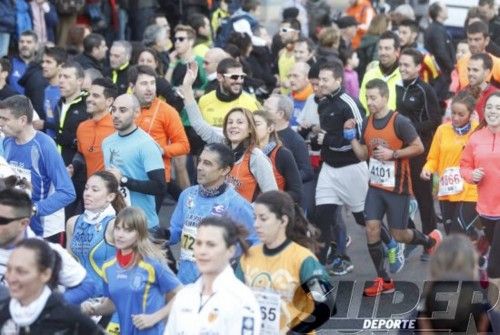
{"x": 229, "y": 94}
{"x": 27, "y": 45}
{"x": 387, "y": 69}
{"x": 134, "y": 158}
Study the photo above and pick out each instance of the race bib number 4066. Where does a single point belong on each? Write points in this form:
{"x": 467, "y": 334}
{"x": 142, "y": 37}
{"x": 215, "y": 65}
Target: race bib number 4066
{"x": 451, "y": 182}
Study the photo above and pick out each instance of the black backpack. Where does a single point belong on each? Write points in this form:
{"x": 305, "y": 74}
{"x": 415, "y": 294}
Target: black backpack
{"x": 67, "y": 7}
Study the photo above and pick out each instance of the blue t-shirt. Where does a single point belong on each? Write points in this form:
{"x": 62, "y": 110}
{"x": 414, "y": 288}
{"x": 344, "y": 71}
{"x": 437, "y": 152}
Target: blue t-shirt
{"x": 140, "y": 289}
{"x": 135, "y": 155}
{"x": 90, "y": 247}
{"x": 191, "y": 208}
{"x": 40, "y": 161}
{"x": 51, "y": 97}
{"x": 18, "y": 69}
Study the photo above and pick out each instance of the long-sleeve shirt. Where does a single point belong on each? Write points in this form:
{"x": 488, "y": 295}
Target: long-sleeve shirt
{"x": 162, "y": 122}
{"x": 446, "y": 149}
{"x": 483, "y": 151}
{"x": 39, "y": 161}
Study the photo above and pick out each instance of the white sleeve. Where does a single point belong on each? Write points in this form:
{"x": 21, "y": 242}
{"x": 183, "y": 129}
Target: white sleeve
{"x": 171, "y": 328}
{"x": 262, "y": 169}
{"x": 72, "y": 273}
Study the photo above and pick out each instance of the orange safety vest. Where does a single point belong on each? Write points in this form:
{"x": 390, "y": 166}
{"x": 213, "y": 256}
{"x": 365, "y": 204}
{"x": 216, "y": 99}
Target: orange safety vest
{"x": 242, "y": 178}
{"x": 388, "y": 138}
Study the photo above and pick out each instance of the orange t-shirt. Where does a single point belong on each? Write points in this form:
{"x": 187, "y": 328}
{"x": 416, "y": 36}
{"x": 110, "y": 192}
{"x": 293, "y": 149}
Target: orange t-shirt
{"x": 462, "y": 71}
{"x": 162, "y": 122}
{"x": 89, "y": 137}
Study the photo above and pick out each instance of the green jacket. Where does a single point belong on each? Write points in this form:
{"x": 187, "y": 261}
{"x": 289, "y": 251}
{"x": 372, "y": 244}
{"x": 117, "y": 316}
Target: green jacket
{"x": 391, "y": 80}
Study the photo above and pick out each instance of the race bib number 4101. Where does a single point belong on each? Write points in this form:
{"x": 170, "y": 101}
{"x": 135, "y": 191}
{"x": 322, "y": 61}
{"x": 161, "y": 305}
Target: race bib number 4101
{"x": 382, "y": 173}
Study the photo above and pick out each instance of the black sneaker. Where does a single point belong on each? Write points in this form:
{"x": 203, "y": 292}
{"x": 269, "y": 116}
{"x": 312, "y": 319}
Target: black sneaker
{"x": 340, "y": 266}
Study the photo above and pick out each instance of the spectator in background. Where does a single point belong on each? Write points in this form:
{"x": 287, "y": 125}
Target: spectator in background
{"x": 328, "y": 45}
{"x": 438, "y": 42}
{"x": 304, "y": 51}
{"x": 348, "y": 27}
{"x": 351, "y": 80}
{"x": 7, "y": 24}
{"x": 5, "y": 89}
{"x": 94, "y": 52}
{"x": 489, "y": 13}
{"x": 27, "y": 46}
{"x": 201, "y": 26}
{"x": 45, "y": 20}
{"x": 138, "y": 17}
{"x": 119, "y": 61}
{"x": 368, "y": 49}
{"x": 76, "y": 35}
{"x": 89, "y": 75}
{"x": 212, "y": 59}
{"x": 289, "y": 33}
{"x": 158, "y": 38}
{"x": 363, "y": 12}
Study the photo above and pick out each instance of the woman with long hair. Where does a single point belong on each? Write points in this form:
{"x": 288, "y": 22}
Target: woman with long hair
{"x": 32, "y": 276}
{"x": 217, "y": 291}
{"x": 285, "y": 168}
{"x": 290, "y": 284}
{"x": 457, "y": 198}
{"x": 252, "y": 172}
{"x": 480, "y": 165}
{"x": 137, "y": 282}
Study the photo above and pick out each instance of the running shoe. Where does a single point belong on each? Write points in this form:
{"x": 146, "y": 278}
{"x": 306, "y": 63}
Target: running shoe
{"x": 341, "y": 266}
{"x": 379, "y": 287}
{"x": 438, "y": 238}
{"x": 413, "y": 208}
{"x": 396, "y": 258}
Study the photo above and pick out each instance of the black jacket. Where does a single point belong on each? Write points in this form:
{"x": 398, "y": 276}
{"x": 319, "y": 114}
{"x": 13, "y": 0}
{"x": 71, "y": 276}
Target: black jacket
{"x": 121, "y": 80}
{"x": 261, "y": 64}
{"x": 66, "y": 135}
{"x": 417, "y": 101}
{"x": 34, "y": 85}
{"x": 438, "y": 42}
{"x": 334, "y": 110}
{"x": 57, "y": 317}
{"x": 89, "y": 62}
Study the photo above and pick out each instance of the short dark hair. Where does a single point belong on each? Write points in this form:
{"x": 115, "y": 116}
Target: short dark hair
{"x": 477, "y": 27}
{"x": 226, "y": 64}
{"x": 410, "y": 24}
{"x": 75, "y": 65}
{"x": 19, "y": 200}
{"x": 414, "y": 54}
{"x": 58, "y": 54}
{"x": 294, "y": 23}
{"x": 18, "y": 105}
{"x": 196, "y": 21}
{"x": 336, "y": 67}
{"x": 486, "y": 58}
{"x": 136, "y": 70}
{"x": 226, "y": 157}
{"x": 30, "y": 33}
{"x": 380, "y": 85}
{"x": 5, "y": 64}
{"x": 250, "y": 5}
{"x": 389, "y": 35}
{"x": 309, "y": 42}
{"x": 434, "y": 10}
{"x": 92, "y": 41}
{"x": 314, "y": 71}
{"x": 464, "y": 97}
{"x": 490, "y": 3}
{"x": 110, "y": 89}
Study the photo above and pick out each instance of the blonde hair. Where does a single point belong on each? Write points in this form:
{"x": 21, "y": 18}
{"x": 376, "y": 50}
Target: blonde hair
{"x": 133, "y": 218}
{"x": 455, "y": 259}
{"x": 378, "y": 25}
{"x": 329, "y": 37}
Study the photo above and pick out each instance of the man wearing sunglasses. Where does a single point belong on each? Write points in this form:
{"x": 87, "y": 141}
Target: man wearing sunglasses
{"x": 228, "y": 94}
{"x": 34, "y": 156}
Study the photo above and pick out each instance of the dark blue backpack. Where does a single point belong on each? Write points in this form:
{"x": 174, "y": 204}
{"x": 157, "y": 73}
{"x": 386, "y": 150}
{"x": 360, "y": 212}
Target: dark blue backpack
{"x": 226, "y": 28}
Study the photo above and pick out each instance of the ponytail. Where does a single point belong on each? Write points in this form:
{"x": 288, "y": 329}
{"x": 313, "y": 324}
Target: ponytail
{"x": 112, "y": 186}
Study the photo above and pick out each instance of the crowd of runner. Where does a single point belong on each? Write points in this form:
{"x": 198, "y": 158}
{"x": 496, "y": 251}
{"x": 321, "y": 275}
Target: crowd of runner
{"x": 111, "y": 109}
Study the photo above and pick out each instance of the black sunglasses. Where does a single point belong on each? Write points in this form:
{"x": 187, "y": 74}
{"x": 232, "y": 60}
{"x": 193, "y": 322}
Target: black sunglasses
{"x": 5, "y": 221}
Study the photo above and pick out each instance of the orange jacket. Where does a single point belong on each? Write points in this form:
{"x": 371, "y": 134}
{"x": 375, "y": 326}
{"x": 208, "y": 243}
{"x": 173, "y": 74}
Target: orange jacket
{"x": 89, "y": 137}
{"x": 363, "y": 12}
{"x": 162, "y": 122}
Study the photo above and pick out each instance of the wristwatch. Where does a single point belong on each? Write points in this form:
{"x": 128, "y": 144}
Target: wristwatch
{"x": 123, "y": 181}
{"x": 395, "y": 154}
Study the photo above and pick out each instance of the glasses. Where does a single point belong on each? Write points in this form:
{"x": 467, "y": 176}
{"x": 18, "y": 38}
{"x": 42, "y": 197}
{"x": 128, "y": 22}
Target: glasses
{"x": 5, "y": 221}
{"x": 235, "y": 76}
{"x": 179, "y": 39}
{"x": 287, "y": 30}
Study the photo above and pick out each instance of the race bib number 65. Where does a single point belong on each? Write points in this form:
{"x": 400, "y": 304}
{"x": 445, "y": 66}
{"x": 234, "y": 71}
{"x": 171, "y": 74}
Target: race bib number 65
{"x": 270, "y": 304}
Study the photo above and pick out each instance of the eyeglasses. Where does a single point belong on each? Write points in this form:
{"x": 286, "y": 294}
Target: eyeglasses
{"x": 179, "y": 39}
{"x": 287, "y": 30}
{"x": 235, "y": 76}
{"x": 5, "y": 221}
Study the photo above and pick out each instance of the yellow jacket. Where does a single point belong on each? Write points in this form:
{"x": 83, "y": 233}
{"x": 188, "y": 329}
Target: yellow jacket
{"x": 391, "y": 80}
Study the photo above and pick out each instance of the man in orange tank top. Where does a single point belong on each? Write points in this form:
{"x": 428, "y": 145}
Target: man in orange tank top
{"x": 388, "y": 141}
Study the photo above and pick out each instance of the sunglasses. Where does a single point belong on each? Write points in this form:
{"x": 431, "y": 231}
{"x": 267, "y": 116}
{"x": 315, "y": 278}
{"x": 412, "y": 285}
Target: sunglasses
{"x": 287, "y": 30}
{"x": 235, "y": 76}
{"x": 5, "y": 221}
{"x": 179, "y": 39}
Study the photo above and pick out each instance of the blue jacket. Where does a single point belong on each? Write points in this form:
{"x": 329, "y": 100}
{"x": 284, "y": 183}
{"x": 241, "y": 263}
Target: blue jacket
{"x": 8, "y": 16}
{"x": 23, "y": 17}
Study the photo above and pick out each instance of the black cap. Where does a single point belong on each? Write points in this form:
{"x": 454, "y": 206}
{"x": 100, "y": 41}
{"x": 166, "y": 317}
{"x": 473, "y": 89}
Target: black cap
{"x": 346, "y": 22}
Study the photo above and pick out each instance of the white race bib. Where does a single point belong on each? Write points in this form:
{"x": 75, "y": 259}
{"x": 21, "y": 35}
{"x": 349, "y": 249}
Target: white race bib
{"x": 187, "y": 242}
{"x": 126, "y": 195}
{"x": 382, "y": 173}
{"x": 451, "y": 182}
{"x": 270, "y": 304}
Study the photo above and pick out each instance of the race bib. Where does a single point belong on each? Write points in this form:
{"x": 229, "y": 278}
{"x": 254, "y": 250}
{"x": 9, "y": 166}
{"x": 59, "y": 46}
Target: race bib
{"x": 270, "y": 304}
{"x": 382, "y": 173}
{"x": 451, "y": 182}
{"x": 187, "y": 242}
{"x": 126, "y": 195}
